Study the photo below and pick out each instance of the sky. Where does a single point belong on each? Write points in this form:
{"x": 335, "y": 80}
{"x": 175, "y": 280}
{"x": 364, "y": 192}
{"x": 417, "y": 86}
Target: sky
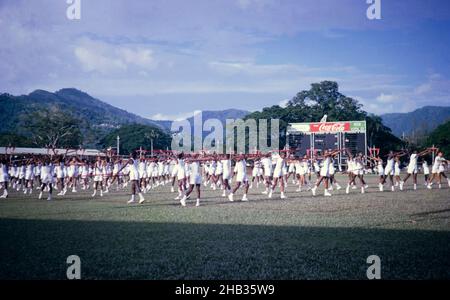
{"x": 164, "y": 59}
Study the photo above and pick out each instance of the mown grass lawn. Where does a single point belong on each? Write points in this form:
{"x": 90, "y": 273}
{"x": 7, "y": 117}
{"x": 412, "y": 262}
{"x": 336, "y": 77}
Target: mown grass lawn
{"x": 298, "y": 238}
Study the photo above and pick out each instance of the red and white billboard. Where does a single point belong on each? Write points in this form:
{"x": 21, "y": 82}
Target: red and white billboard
{"x": 329, "y": 127}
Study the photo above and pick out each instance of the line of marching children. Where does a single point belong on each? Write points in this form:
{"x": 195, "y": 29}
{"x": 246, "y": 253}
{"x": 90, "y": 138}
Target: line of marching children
{"x": 186, "y": 173}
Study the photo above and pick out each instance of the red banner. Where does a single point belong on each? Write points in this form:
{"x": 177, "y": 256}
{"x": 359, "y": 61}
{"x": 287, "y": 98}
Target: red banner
{"x": 330, "y": 127}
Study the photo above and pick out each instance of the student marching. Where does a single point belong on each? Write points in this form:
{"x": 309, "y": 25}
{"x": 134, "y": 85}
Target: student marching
{"x": 186, "y": 174}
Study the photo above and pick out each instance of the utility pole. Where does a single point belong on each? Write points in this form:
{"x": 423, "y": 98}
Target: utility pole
{"x": 118, "y": 145}
{"x": 151, "y": 136}
{"x": 432, "y": 155}
{"x": 151, "y": 143}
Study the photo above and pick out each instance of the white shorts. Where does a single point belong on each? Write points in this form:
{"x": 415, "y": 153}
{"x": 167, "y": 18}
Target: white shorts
{"x": 241, "y": 178}
{"x": 358, "y": 172}
{"x": 324, "y": 172}
{"x": 226, "y": 175}
{"x": 300, "y": 171}
{"x": 46, "y": 179}
{"x": 277, "y": 173}
{"x": 4, "y": 178}
{"x": 388, "y": 171}
{"x": 255, "y": 172}
{"x": 412, "y": 170}
{"x": 181, "y": 175}
{"x": 195, "y": 179}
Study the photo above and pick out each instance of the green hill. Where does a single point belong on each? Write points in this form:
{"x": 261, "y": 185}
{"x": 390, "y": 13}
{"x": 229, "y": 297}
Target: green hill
{"x": 419, "y": 122}
{"x": 87, "y": 109}
{"x": 96, "y": 118}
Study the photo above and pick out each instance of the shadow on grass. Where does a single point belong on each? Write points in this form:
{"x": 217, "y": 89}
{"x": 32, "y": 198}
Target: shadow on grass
{"x": 37, "y": 249}
{"x": 432, "y": 212}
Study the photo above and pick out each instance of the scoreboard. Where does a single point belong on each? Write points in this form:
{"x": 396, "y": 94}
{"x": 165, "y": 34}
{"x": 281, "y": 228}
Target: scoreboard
{"x": 314, "y": 138}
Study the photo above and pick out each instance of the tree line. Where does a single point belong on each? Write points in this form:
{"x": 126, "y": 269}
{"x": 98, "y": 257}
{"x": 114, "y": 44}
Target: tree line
{"x": 55, "y": 128}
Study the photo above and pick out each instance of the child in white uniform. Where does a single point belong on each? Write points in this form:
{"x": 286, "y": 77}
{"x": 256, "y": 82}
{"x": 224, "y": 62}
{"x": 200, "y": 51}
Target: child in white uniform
{"x": 132, "y": 166}
{"x": 181, "y": 176}
{"x": 98, "y": 177}
{"x": 46, "y": 180}
{"x": 226, "y": 174}
{"x": 240, "y": 171}
{"x": 266, "y": 162}
{"x": 195, "y": 180}
{"x": 279, "y": 175}
{"x": 324, "y": 174}
{"x": 412, "y": 168}
{"x": 438, "y": 170}
{"x": 4, "y": 178}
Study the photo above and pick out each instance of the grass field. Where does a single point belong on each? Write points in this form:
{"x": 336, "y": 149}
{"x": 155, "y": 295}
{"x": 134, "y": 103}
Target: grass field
{"x": 298, "y": 238}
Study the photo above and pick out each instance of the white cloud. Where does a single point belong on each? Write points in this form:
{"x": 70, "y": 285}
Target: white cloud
{"x": 435, "y": 90}
{"x": 138, "y": 57}
{"x": 253, "y": 69}
{"x": 245, "y": 4}
{"x": 174, "y": 117}
{"x": 283, "y": 103}
{"x": 105, "y": 58}
{"x": 92, "y": 60}
{"x": 423, "y": 88}
{"x": 386, "y": 98}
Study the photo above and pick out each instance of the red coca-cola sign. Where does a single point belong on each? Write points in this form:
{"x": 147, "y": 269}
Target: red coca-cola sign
{"x": 329, "y": 127}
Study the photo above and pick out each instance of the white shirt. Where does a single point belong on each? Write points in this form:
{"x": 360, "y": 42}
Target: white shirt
{"x": 267, "y": 165}
{"x": 413, "y": 161}
{"x": 133, "y": 170}
{"x": 279, "y": 165}
{"x": 241, "y": 170}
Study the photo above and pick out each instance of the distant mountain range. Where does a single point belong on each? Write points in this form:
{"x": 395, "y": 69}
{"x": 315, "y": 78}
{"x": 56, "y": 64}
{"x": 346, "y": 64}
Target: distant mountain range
{"x": 96, "y": 116}
{"x": 81, "y": 105}
{"x": 419, "y": 122}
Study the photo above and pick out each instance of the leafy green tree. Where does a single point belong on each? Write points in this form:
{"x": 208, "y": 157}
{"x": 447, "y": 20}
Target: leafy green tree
{"x": 53, "y": 128}
{"x": 440, "y": 137}
{"x": 380, "y": 135}
{"x": 322, "y": 99}
{"x": 134, "y": 136}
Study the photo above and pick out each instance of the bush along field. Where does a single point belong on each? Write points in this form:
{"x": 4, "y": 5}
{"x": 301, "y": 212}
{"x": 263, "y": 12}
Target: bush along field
{"x": 302, "y": 237}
